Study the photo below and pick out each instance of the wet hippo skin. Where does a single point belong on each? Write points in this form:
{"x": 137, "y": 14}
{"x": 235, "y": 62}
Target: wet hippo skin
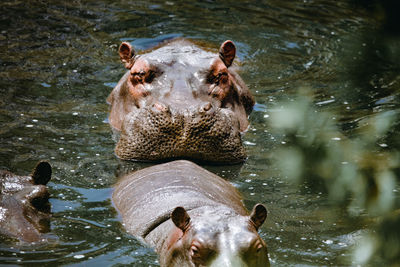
{"x": 180, "y": 101}
{"x": 190, "y": 216}
{"x": 24, "y": 204}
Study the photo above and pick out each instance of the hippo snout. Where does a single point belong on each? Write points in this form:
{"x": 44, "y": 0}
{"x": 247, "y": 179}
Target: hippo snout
{"x": 228, "y": 261}
{"x": 202, "y": 133}
{"x": 206, "y": 107}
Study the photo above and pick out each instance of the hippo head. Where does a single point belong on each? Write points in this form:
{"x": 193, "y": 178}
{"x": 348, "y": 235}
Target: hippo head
{"x": 218, "y": 238}
{"x": 24, "y": 203}
{"x": 180, "y": 101}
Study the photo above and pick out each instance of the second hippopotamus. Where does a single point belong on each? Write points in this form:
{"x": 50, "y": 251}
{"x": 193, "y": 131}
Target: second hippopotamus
{"x": 180, "y": 101}
{"x": 191, "y": 216}
{"x": 24, "y": 204}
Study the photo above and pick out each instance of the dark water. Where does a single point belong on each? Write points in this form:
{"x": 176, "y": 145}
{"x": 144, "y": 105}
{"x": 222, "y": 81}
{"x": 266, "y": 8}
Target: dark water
{"x": 58, "y": 63}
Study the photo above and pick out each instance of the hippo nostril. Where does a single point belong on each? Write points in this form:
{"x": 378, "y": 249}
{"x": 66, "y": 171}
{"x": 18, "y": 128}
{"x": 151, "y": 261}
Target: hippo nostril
{"x": 206, "y": 107}
{"x": 160, "y": 107}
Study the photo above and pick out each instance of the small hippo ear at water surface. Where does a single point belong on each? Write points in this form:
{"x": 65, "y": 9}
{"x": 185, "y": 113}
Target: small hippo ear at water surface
{"x": 227, "y": 52}
{"x": 180, "y": 218}
{"x": 127, "y": 54}
{"x": 258, "y": 215}
{"x": 41, "y": 174}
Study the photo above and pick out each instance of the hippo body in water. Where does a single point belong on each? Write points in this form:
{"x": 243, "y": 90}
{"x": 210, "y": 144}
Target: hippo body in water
{"x": 190, "y": 216}
{"x": 180, "y": 101}
{"x": 24, "y": 204}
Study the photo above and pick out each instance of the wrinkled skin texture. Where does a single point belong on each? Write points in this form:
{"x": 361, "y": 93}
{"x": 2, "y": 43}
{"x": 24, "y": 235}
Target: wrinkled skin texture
{"x": 180, "y": 101}
{"x": 191, "y": 216}
{"x": 24, "y": 204}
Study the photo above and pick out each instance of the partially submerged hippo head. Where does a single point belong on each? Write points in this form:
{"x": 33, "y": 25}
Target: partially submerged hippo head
{"x": 24, "y": 203}
{"x": 217, "y": 238}
{"x": 180, "y": 101}
{"x": 191, "y": 216}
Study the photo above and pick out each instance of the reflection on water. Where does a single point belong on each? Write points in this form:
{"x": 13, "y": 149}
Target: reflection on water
{"x": 59, "y": 62}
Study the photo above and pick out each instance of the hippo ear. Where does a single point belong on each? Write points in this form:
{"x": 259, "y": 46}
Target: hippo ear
{"x": 127, "y": 54}
{"x": 258, "y": 215}
{"x": 41, "y": 174}
{"x": 227, "y": 52}
{"x": 180, "y": 218}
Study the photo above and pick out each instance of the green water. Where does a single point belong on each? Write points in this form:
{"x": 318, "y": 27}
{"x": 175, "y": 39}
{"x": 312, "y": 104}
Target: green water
{"x": 59, "y": 62}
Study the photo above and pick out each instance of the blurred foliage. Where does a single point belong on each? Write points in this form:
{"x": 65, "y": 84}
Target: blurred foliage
{"x": 356, "y": 162}
{"x": 384, "y": 11}
{"x": 317, "y": 153}
{"x": 359, "y": 173}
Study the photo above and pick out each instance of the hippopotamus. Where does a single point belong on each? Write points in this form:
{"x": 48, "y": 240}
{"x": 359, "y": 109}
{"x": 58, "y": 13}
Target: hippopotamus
{"x": 24, "y": 204}
{"x": 191, "y": 216}
{"x": 180, "y": 101}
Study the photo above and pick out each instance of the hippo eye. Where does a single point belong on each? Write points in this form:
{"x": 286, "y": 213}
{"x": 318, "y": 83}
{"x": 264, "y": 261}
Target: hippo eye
{"x": 139, "y": 76}
{"x": 259, "y": 246}
{"x": 194, "y": 251}
{"x": 222, "y": 77}
{"x": 144, "y": 76}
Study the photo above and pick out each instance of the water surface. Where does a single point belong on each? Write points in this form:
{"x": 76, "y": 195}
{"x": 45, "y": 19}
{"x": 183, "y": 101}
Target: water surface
{"x": 59, "y": 62}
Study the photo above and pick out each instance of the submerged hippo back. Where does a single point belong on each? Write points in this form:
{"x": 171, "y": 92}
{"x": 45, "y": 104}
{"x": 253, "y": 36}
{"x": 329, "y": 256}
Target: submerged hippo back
{"x": 147, "y": 197}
